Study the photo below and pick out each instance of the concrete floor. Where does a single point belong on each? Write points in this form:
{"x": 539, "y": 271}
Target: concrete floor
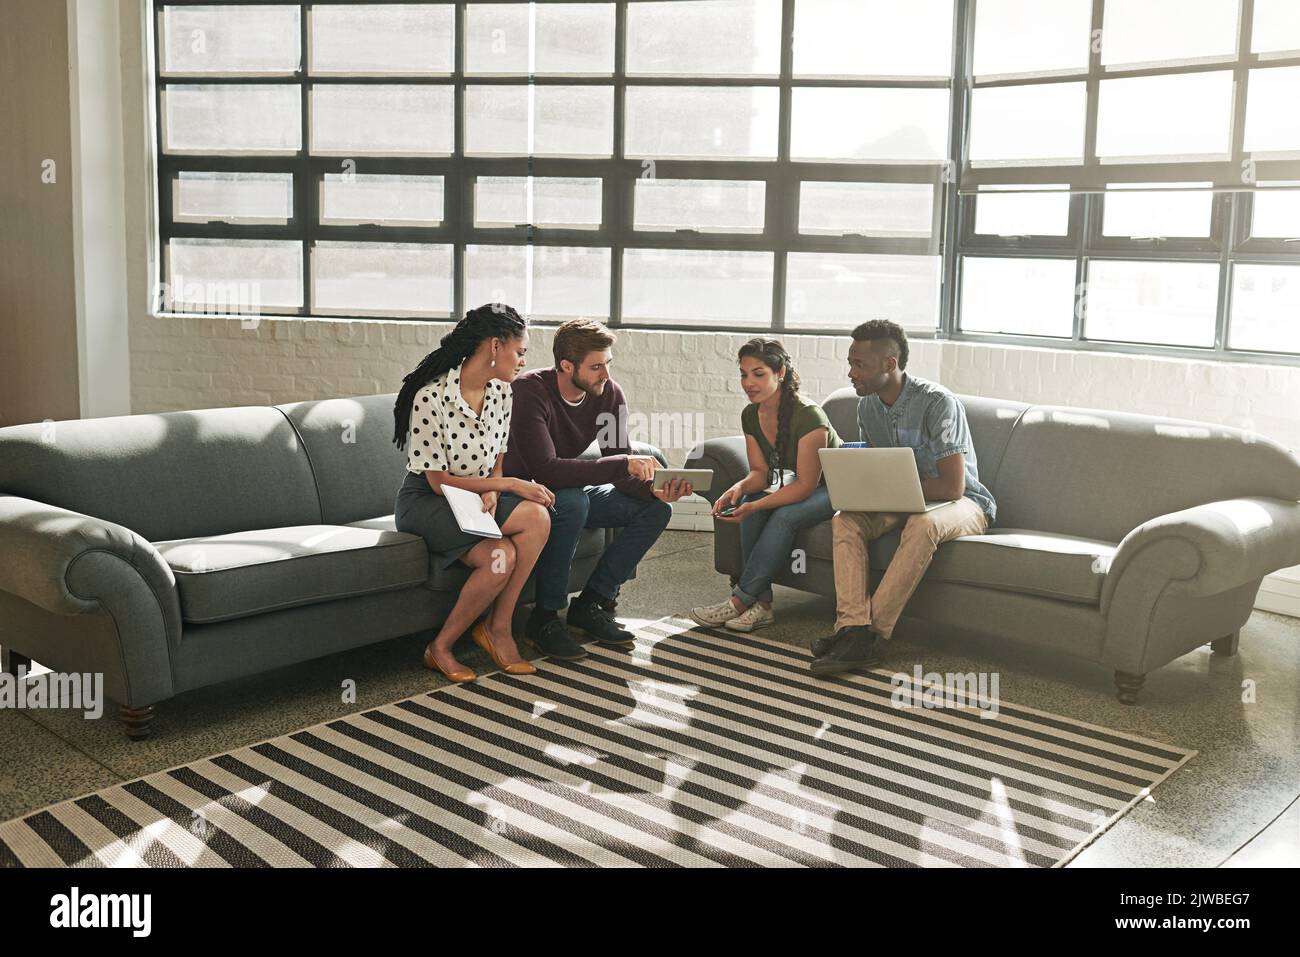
{"x": 1234, "y": 803}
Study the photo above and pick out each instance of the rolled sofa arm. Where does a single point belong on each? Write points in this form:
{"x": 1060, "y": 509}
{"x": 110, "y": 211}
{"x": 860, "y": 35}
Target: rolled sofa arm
{"x": 1208, "y": 549}
{"x": 728, "y": 459}
{"x": 73, "y": 564}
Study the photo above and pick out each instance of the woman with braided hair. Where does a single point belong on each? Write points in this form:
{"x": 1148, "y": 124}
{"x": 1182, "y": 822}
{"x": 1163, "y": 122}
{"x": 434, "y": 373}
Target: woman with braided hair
{"x": 452, "y": 417}
{"x": 783, "y": 432}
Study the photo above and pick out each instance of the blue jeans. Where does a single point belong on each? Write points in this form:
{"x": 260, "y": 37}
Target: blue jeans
{"x": 767, "y": 537}
{"x": 597, "y": 506}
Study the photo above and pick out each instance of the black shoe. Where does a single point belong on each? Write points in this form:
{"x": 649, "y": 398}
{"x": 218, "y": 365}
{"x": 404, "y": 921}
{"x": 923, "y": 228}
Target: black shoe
{"x": 552, "y": 639}
{"x": 592, "y": 618}
{"x": 821, "y": 646}
{"x": 854, "y": 647}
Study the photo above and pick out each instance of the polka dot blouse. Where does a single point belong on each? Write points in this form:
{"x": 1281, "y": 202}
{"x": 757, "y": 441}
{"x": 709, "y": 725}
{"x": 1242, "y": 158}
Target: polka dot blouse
{"x": 446, "y": 436}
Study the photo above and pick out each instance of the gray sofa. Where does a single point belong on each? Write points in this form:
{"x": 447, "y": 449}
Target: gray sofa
{"x": 1124, "y": 539}
{"x": 175, "y": 551}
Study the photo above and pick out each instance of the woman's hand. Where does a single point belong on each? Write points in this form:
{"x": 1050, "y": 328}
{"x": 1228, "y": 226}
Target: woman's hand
{"x": 730, "y": 497}
{"x": 532, "y": 492}
{"x": 489, "y": 502}
{"x": 742, "y": 510}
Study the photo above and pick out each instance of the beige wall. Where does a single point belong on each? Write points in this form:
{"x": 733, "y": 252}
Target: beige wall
{"x": 38, "y": 318}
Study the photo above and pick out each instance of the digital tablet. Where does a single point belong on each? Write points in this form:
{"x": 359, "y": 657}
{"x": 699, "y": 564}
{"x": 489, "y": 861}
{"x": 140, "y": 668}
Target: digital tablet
{"x": 700, "y": 479}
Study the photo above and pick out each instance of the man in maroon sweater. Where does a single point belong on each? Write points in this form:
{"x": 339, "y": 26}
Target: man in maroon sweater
{"x": 556, "y": 415}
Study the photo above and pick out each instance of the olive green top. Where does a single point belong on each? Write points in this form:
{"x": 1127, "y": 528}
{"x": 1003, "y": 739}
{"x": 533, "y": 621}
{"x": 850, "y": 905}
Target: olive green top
{"x": 805, "y": 417}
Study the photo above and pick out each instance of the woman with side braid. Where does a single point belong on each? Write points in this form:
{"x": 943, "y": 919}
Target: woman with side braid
{"x": 453, "y": 418}
{"x": 783, "y": 431}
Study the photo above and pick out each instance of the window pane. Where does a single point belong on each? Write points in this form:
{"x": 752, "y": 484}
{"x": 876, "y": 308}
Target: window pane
{"x": 363, "y": 199}
{"x": 542, "y": 201}
{"x": 1166, "y": 303}
{"x": 566, "y": 120}
{"x": 697, "y": 287}
{"x": 1165, "y": 116}
{"x": 1277, "y": 26}
{"x": 199, "y": 197}
{"x": 230, "y": 40}
{"x": 381, "y": 279}
{"x": 1036, "y": 213}
{"x": 1043, "y": 304}
{"x": 545, "y": 282}
{"x": 1001, "y": 134}
{"x": 707, "y": 205}
{"x": 568, "y": 38}
{"x": 246, "y": 276}
{"x": 383, "y": 39}
{"x": 838, "y": 290}
{"x": 252, "y": 118}
{"x": 1272, "y": 120}
{"x": 701, "y": 123}
{"x": 1148, "y": 31}
{"x": 894, "y": 210}
{"x": 1276, "y": 214}
{"x": 1157, "y": 214}
{"x": 1265, "y": 308}
{"x": 873, "y": 38}
{"x": 569, "y": 282}
{"x": 878, "y": 124}
{"x": 704, "y": 38}
{"x": 1030, "y": 36}
{"x": 370, "y": 120}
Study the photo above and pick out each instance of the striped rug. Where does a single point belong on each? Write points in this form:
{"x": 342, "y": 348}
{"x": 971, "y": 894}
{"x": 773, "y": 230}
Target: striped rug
{"x": 699, "y": 748}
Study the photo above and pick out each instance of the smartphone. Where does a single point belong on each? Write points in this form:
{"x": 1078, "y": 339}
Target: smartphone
{"x": 729, "y": 511}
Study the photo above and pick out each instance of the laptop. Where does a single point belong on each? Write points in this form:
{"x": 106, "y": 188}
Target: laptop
{"x": 874, "y": 480}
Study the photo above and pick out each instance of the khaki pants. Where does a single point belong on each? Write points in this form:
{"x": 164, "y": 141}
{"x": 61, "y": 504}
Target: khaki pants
{"x": 922, "y": 534}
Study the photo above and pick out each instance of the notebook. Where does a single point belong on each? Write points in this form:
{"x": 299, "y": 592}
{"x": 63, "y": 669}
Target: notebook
{"x": 468, "y": 509}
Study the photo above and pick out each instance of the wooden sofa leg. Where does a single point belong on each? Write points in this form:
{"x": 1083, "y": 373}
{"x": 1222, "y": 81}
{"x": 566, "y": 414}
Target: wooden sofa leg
{"x": 11, "y": 661}
{"x": 1227, "y": 645}
{"x": 137, "y": 721}
{"x": 1129, "y": 685}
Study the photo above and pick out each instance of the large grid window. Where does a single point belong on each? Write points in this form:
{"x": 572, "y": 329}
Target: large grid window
{"x": 1125, "y": 169}
{"x": 1114, "y": 182}
{"x": 707, "y": 164}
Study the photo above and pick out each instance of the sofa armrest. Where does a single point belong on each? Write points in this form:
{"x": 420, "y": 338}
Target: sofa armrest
{"x": 1207, "y": 549}
{"x": 73, "y": 564}
{"x": 728, "y": 459}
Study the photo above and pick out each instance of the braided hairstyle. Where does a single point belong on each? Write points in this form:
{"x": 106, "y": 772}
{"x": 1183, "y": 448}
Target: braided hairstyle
{"x": 492, "y": 321}
{"x": 772, "y": 354}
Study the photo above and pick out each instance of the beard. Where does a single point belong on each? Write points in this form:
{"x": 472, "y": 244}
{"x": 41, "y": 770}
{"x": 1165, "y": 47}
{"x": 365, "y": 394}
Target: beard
{"x": 592, "y": 387}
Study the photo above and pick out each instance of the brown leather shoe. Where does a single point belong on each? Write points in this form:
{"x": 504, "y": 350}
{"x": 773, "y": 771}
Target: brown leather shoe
{"x": 464, "y": 676}
{"x": 484, "y": 641}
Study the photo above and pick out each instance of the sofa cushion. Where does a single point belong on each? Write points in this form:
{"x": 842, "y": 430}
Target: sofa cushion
{"x": 246, "y": 573}
{"x": 1010, "y": 559}
{"x": 168, "y": 476}
{"x": 357, "y": 467}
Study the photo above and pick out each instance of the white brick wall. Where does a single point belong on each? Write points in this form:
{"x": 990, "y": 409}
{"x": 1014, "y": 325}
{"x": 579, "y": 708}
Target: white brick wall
{"x": 187, "y": 363}
{"x": 684, "y": 379}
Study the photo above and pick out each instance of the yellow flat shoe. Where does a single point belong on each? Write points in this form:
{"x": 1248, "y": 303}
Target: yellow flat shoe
{"x": 464, "y": 676}
{"x": 484, "y": 641}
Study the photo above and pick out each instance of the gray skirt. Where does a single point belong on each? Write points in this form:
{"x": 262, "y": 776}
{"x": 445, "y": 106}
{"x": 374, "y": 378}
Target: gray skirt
{"x": 419, "y": 510}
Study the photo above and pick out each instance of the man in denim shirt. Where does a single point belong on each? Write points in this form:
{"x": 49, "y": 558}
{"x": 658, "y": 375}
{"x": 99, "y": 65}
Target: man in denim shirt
{"x": 898, "y": 410}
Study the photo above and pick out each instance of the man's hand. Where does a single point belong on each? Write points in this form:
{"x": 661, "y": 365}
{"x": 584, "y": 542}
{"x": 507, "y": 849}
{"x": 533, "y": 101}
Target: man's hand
{"x": 489, "y": 502}
{"x": 673, "y": 490}
{"x": 642, "y": 467}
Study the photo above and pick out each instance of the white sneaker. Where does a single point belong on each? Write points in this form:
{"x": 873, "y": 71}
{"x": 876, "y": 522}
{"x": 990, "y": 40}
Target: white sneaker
{"x": 714, "y": 615}
{"x": 755, "y": 617}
